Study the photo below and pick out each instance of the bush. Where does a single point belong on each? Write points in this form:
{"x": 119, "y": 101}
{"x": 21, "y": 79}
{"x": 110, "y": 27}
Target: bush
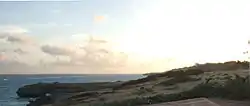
{"x": 181, "y": 73}
{"x": 194, "y": 72}
{"x": 172, "y": 87}
{"x": 237, "y": 89}
{"x": 134, "y": 82}
{"x": 177, "y": 80}
{"x": 143, "y": 90}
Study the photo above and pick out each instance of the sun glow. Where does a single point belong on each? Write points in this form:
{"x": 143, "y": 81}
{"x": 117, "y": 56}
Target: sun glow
{"x": 158, "y": 32}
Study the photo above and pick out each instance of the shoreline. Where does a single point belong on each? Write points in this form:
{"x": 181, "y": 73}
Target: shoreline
{"x": 15, "y": 82}
{"x": 168, "y": 84}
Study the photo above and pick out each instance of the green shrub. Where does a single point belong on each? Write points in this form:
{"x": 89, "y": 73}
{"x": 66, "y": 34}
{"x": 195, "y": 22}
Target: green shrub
{"x": 237, "y": 89}
{"x": 143, "y": 90}
{"x": 172, "y": 87}
{"x": 181, "y": 73}
{"x": 134, "y": 82}
{"x": 177, "y": 80}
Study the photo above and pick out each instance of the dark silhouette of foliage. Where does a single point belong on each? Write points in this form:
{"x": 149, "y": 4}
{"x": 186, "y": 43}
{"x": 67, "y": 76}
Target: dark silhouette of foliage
{"x": 193, "y": 70}
{"x": 180, "y": 73}
{"x": 236, "y": 89}
{"x": 177, "y": 80}
{"x": 134, "y": 82}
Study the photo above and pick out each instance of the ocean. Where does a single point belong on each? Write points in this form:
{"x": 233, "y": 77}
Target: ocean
{"x": 10, "y": 83}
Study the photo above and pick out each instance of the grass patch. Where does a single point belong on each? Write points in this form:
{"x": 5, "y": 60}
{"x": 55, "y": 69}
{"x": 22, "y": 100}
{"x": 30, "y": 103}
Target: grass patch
{"x": 143, "y": 90}
{"x": 174, "y": 87}
{"x": 236, "y": 89}
{"x": 177, "y": 80}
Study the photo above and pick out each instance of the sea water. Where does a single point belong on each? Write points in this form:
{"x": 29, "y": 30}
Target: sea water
{"x": 10, "y": 83}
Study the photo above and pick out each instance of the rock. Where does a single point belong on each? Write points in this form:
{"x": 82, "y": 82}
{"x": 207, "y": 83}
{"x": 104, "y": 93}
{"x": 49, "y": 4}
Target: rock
{"x": 73, "y": 98}
{"x": 142, "y": 88}
{"x": 42, "y": 100}
{"x": 35, "y": 90}
{"x": 62, "y": 94}
{"x": 40, "y": 89}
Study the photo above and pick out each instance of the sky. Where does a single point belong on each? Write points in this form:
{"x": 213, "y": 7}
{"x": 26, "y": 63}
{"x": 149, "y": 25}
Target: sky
{"x": 120, "y": 36}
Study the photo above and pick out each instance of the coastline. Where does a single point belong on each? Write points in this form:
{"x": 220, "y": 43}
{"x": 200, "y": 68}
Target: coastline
{"x": 8, "y": 92}
{"x": 171, "y": 83}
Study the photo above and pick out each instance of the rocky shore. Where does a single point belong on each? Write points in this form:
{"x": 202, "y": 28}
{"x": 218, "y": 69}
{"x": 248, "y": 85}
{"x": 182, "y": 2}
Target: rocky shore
{"x": 48, "y": 93}
{"x": 189, "y": 82}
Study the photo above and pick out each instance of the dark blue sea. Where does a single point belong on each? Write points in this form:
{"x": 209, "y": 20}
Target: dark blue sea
{"x": 10, "y": 83}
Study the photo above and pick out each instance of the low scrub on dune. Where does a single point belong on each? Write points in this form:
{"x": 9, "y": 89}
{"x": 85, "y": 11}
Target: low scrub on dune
{"x": 178, "y": 77}
{"x": 177, "y": 80}
{"x": 235, "y": 89}
{"x": 180, "y": 73}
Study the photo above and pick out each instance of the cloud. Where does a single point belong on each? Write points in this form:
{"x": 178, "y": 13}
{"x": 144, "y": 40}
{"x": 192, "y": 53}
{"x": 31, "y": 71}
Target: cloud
{"x": 2, "y": 57}
{"x": 96, "y": 57}
{"x": 3, "y": 50}
{"x": 12, "y": 29}
{"x": 16, "y": 50}
{"x": 49, "y": 25}
{"x": 43, "y": 25}
{"x": 14, "y": 34}
{"x": 100, "y": 18}
{"x": 56, "y": 51}
{"x": 18, "y": 39}
{"x": 19, "y": 51}
{"x": 3, "y": 35}
{"x": 14, "y": 67}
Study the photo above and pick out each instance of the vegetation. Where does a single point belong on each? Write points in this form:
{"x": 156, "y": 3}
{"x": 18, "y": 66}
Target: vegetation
{"x": 236, "y": 89}
{"x": 179, "y": 73}
{"x": 219, "y": 86}
{"x": 143, "y": 90}
{"x": 201, "y": 68}
{"x": 172, "y": 87}
{"x": 230, "y": 65}
{"x": 178, "y": 77}
{"x": 188, "y": 71}
{"x": 177, "y": 80}
{"x": 134, "y": 82}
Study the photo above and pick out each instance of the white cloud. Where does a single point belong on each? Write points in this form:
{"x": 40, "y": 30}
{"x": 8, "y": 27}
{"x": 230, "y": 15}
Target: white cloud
{"x": 2, "y": 57}
{"x": 12, "y": 29}
{"x": 15, "y": 34}
{"x": 19, "y": 39}
{"x": 14, "y": 67}
{"x": 43, "y": 25}
{"x": 95, "y": 55}
{"x": 56, "y": 51}
{"x": 20, "y": 51}
{"x": 48, "y": 25}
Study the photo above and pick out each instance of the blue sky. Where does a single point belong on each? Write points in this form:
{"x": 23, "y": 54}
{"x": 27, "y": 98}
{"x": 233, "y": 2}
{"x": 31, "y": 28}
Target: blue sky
{"x": 66, "y": 18}
{"x": 113, "y": 36}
